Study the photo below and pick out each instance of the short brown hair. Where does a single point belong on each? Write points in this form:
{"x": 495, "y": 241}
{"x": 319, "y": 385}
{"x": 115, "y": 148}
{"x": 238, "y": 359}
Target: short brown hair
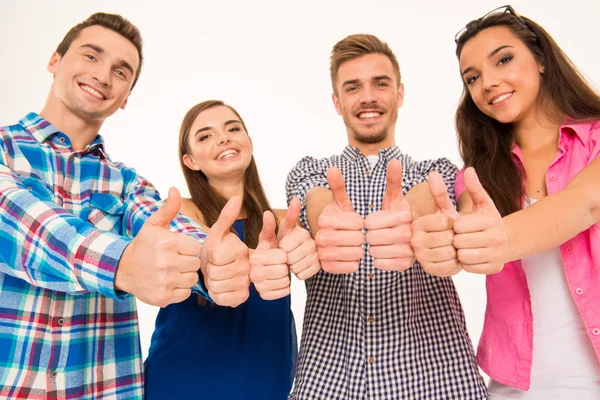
{"x": 115, "y": 23}
{"x": 359, "y": 45}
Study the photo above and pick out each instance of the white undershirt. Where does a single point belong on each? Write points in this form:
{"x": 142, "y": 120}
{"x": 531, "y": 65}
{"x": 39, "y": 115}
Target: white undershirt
{"x": 564, "y": 362}
{"x": 373, "y": 160}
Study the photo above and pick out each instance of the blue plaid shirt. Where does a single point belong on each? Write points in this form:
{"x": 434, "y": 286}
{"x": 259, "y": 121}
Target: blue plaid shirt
{"x": 66, "y": 218}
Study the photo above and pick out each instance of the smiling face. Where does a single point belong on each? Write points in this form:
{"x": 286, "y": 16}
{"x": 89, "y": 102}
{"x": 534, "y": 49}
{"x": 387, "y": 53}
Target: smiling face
{"x": 218, "y": 144}
{"x": 93, "y": 79}
{"x": 368, "y": 97}
{"x": 501, "y": 75}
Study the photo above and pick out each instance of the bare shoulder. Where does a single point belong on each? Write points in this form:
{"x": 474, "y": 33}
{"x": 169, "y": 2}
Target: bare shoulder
{"x": 279, "y": 214}
{"x": 189, "y": 209}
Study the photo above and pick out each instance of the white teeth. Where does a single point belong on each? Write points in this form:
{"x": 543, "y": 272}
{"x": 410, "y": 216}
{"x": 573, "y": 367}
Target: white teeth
{"x": 503, "y": 97}
{"x": 93, "y": 92}
{"x": 227, "y": 154}
{"x": 369, "y": 115}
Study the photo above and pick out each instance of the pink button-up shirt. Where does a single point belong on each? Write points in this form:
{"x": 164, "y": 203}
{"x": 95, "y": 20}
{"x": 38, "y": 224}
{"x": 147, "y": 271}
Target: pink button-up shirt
{"x": 506, "y": 344}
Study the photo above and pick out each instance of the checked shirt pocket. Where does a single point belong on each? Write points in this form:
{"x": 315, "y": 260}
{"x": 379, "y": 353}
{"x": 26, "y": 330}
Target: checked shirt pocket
{"x": 106, "y": 212}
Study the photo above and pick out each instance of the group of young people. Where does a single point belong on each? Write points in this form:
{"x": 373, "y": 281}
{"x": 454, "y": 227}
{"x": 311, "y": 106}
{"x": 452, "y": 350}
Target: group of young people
{"x": 375, "y": 235}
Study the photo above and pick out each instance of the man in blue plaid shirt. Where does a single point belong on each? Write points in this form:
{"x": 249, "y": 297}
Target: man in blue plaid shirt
{"x": 81, "y": 235}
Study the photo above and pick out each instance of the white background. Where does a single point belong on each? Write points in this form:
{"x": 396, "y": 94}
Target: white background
{"x": 271, "y": 62}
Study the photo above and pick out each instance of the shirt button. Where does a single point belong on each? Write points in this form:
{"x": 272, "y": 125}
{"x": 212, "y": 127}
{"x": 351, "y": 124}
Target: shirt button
{"x": 70, "y": 193}
{"x": 553, "y": 178}
{"x": 62, "y": 139}
{"x": 371, "y": 276}
{"x": 54, "y": 373}
{"x": 353, "y": 158}
{"x": 367, "y": 172}
{"x": 29, "y": 188}
{"x": 568, "y": 250}
{"x": 371, "y": 206}
{"x": 596, "y": 331}
{"x": 371, "y": 318}
{"x": 60, "y": 322}
{"x": 371, "y": 360}
{"x": 579, "y": 291}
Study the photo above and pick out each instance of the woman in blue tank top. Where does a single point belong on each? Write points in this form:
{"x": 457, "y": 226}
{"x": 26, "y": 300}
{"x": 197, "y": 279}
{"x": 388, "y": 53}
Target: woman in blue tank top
{"x": 203, "y": 351}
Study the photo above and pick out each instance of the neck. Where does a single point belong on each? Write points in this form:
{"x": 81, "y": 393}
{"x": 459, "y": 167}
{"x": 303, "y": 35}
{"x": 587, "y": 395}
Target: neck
{"x": 81, "y": 132}
{"x": 537, "y": 132}
{"x": 229, "y": 187}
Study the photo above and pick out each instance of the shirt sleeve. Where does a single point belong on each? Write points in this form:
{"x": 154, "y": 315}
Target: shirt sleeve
{"x": 308, "y": 173}
{"x": 48, "y": 247}
{"x": 419, "y": 172}
{"x": 141, "y": 201}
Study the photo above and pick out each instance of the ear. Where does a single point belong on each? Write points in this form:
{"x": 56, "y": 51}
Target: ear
{"x": 124, "y": 103}
{"x": 336, "y": 104}
{"x": 54, "y": 63}
{"x": 190, "y": 162}
{"x": 400, "y": 95}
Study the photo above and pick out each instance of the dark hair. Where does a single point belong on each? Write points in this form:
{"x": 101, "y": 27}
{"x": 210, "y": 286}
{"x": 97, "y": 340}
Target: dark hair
{"x": 209, "y": 201}
{"x": 485, "y": 143}
{"x": 115, "y": 23}
{"x": 359, "y": 45}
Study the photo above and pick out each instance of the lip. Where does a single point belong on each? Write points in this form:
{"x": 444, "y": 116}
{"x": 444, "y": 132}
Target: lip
{"x": 82, "y": 87}
{"x": 229, "y": 158}
{"x": 491, "y": 100}
{"x": 371, "y": 118}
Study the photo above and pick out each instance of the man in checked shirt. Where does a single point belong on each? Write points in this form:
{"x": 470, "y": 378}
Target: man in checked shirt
{"x": 376, "y": 325}
{"x": 81, "y": 235}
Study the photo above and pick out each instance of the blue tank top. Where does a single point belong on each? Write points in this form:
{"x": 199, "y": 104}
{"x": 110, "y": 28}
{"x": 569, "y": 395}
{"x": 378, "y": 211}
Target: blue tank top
{"x": 213, "y": 352}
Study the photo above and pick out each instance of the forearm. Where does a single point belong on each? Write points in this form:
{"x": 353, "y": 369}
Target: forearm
{"x": 552, "y": 221}
{"x": 51, "y": 248}
{"x": 317, "y": 199}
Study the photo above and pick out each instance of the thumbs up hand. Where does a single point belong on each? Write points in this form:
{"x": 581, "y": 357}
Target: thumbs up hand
{"x": 301, "y": 250}
{"x": 224, "y": 260}
{"x": 433, "y": 234}
{"x": 389, "y": 230}
{"x": 480, "y": 237}
{"x": 339, "y": 238}
{"x": 160, "y": 267}
{"x": 268, "y": 263}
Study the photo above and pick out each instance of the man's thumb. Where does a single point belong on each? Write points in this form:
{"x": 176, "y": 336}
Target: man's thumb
{"x": 168, "y": 211}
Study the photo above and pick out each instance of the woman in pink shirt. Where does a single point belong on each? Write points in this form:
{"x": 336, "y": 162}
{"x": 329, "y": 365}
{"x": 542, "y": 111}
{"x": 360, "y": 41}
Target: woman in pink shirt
{"x": 529, "y": 124}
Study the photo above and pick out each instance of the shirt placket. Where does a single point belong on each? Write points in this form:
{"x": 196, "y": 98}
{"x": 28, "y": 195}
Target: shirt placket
{"x": 371, "y": 184}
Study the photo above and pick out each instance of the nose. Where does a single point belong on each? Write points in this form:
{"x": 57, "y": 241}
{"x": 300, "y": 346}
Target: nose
{"x": 103, "y": 74}
{"x": 489, "y": 80}
{"x": 368, "y": 95}
{"x": 223, "y": 138}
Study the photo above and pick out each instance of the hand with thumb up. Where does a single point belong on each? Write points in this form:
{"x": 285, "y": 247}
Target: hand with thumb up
{"x": 224, "y": 259}
{"x": 160, "y": 267}
{"x": 339, "y": 237}
{"x": 268, "y": 263}
{"x": 480, "y": 236}
{"x": 389, "y": 229}
{"x": 433, "y": 234}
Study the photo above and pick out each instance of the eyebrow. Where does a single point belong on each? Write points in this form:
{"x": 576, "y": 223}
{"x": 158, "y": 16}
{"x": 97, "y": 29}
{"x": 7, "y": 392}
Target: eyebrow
{"x": 100, "y": 50}
{"x": 492, "y": 54}
{"x": 206, "y": 128}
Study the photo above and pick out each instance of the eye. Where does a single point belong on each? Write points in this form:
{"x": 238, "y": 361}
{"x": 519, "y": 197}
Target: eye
{"x": 202, "y": 138}
{"x": 90, "y": 57}
{"x": 120, "y": 73}
{"x": 504, "y": 60}
{"x": 351, "y": 88}
{"x": 381, "y": 84}
{"x": 234, "y": 129}
{"x": 472, "y": 79}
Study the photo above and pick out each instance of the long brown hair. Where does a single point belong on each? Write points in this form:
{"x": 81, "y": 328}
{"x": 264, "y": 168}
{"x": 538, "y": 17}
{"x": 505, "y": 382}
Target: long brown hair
{"x": 209, "y": 201}
{"x": 485, "y": 143}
